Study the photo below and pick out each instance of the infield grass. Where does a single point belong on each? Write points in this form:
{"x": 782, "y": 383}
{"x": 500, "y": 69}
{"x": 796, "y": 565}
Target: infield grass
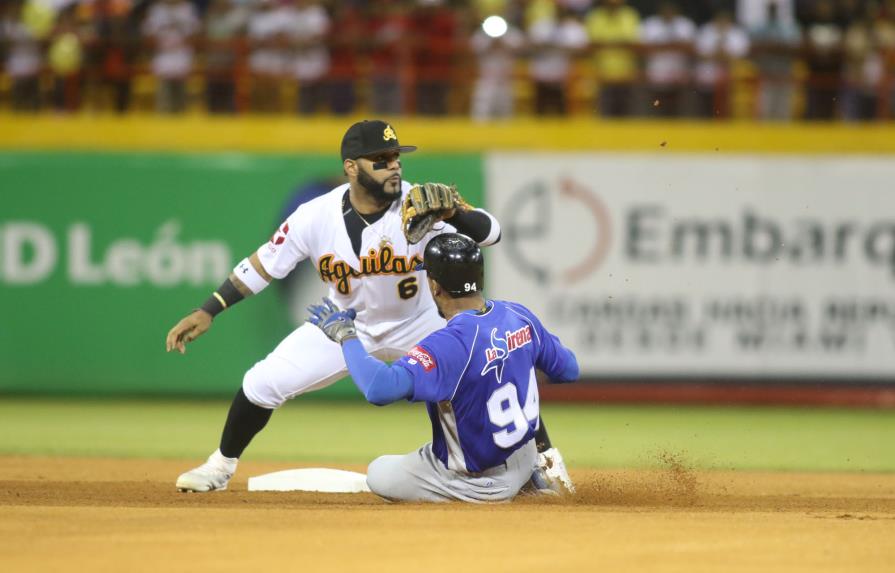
{"x": 755, "y": 438}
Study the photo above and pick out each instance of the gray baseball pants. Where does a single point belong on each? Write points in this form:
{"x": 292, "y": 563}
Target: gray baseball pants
{"x": 420, "y": 476}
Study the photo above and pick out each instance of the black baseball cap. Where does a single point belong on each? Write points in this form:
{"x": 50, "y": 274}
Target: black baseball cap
{"x": 370, "y": 137}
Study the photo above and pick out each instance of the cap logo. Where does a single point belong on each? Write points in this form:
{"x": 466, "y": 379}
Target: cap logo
{"x": 389, "y": 133}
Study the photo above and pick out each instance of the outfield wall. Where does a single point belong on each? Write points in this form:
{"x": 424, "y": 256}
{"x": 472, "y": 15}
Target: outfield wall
{"x": 679, "y": 261}
{"x": 733, "y": 266}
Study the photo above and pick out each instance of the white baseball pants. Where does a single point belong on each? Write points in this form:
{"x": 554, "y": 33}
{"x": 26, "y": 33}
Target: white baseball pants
{"x": 307, "y": 360}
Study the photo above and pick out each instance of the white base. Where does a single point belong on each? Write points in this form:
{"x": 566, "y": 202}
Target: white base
{"x": 310, "y": 479}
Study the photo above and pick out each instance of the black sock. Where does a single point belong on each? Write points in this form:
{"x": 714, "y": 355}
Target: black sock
{"x": 542, "y": 440}
{"x": 243, "y": 421}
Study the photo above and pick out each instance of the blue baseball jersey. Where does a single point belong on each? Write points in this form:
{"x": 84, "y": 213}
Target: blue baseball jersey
{"x": 477, "y": 376}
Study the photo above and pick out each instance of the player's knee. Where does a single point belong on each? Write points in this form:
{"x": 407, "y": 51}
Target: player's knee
{"x": 379, "y": 477}
{"x": 258, "y": 388}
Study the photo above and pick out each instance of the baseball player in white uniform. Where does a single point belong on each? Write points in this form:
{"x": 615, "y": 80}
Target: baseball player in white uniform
{"x": 354, "y": 235}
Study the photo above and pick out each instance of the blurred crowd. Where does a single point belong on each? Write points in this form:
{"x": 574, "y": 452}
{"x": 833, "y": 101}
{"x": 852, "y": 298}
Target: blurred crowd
{"x": 769, "y": 59}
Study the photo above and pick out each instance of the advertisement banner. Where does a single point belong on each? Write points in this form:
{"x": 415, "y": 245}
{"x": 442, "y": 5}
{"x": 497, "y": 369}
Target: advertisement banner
{"x": 102, "y": 253}
{"x": 703, "y": 265}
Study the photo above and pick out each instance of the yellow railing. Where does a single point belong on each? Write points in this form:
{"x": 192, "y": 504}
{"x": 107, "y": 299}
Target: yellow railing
{"x": 199, "y": 132}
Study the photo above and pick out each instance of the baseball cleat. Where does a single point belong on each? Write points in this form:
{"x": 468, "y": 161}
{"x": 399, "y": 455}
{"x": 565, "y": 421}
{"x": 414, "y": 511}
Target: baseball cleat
{"x": 539, "y": 484}
{"x": 213, "y": 475}
{"x": 554, "y": 470}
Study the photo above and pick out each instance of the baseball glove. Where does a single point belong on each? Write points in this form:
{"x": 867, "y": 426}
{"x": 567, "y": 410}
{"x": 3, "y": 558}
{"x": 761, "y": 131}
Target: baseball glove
{"x": 427, "y": 204}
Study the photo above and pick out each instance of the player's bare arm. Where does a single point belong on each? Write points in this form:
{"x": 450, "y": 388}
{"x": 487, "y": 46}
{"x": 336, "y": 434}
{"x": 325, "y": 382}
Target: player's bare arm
{"x": 231, "y": 291}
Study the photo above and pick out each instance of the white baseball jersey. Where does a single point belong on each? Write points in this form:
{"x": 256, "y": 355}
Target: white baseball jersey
{"x": 394, "y": 307}
{"x": 381, "y": 284}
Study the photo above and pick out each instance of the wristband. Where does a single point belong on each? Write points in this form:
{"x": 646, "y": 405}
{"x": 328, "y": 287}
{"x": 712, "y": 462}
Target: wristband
{"x": 251, "y": 278}
{"x": 226, "y": 296}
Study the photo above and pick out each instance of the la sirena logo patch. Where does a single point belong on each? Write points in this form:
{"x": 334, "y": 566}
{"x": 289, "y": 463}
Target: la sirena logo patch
{"x": 424, "y": 358}
{"x": 500, "y": 349}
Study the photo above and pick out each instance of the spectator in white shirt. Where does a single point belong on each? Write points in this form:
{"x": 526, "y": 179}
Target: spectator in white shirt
{"x": 23, "y": 59}
{"x": 753, "y": 14}
{"x": 554, "y": 44}
{"x": 492, "y": 95}
{"x": 170, "y": 25}
{"x": 718, "y": 44}
{"x": 268, "y": 37}
{"x": 668, "y": 40}
{"x": 308, "y": 61}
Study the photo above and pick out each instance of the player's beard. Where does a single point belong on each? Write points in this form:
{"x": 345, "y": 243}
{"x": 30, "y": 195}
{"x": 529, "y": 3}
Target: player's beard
{"x": 376, "y": 189}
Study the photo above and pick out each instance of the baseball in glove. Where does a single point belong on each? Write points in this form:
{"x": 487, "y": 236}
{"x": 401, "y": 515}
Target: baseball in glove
{"x": 425, "y": 205}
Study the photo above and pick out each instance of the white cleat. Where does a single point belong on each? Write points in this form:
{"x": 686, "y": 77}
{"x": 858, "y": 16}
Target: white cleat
{"x": 213, "y": 475}
{"x": 554, "y": 471}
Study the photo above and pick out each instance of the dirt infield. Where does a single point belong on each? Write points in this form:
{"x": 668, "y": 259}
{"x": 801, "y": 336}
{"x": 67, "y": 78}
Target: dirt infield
{"x": 124, "y": 515}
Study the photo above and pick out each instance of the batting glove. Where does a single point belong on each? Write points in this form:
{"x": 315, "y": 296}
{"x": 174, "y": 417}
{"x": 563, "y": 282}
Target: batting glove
{"x": 335, "y": 323}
